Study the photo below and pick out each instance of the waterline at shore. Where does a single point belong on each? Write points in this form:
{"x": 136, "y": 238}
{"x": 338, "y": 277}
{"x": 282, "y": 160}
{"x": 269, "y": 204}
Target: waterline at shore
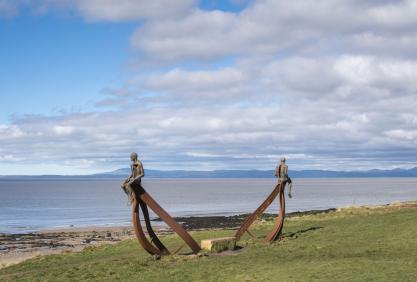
{"x": 16, "y": 248}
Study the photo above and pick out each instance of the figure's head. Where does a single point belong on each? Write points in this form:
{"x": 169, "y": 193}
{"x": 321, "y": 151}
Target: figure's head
{"x": 133, "y": 156}
{"x": 283, "y": 160}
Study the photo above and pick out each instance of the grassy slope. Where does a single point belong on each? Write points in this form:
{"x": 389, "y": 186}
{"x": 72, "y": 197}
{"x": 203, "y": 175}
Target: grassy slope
{"x": 358, "y": 244}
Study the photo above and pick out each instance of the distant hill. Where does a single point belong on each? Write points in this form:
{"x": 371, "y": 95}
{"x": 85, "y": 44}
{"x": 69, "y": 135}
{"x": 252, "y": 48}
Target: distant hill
{"x": 268, "y": 173}
{"x": 150, "y": 173}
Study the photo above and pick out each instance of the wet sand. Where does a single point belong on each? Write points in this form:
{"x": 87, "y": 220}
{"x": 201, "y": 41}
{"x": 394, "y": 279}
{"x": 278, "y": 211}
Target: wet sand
{"x": 15, "y": 248}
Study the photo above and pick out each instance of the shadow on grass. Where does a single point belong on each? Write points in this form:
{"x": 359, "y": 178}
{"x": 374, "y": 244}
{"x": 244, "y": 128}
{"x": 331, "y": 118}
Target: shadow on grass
{"x": 294, "y": 235}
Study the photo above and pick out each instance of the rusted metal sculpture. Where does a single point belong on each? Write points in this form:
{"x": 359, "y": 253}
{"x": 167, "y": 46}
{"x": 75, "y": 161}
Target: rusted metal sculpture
{"x": 155, "y": 246}
{"x": 139, "y": 198}
{"x": 276, "y": 231}
{"x": 282, "y": 173}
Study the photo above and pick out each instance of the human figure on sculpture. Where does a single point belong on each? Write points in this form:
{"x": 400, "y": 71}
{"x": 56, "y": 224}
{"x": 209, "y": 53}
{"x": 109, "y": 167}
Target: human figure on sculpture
{"x": 135, "y": 177}
{"x": 281, "y": 172}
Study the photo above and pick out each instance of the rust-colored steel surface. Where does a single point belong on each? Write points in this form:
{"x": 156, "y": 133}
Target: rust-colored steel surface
{"x": 277, "y": 230}
{"x": 155, "y": 247}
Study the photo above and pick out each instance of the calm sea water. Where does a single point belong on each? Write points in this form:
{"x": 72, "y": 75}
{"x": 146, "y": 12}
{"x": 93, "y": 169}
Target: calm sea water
{"x": 33, "y": 205}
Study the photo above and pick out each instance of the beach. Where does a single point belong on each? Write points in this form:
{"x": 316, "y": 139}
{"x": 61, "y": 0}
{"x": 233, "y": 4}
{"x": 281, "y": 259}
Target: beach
{"x": 356, "y": 243}
{"x": 15, "y": 248}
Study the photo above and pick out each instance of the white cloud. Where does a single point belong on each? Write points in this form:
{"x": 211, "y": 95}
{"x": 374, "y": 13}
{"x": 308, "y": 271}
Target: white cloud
{"x": 329, "y": 84}
{"x": 63, "y": 130}
{"x": 122, "y": 10}
{"x": 196, "y": 80}
{"x": 269, "y": 27}
{"x": 200, "y": 85}
{"x": 389, "y": 45}
{"x": 398, "y": 75}
{"x": 401, "y": 134}
{"x": 301, "y": 74}
{"x": 397, "y": 14}
{"x": 103, "y": 10}
{"x": 199, "y": 34}
{"x": 10, "y": 131}
{"x": 9, "y": 158}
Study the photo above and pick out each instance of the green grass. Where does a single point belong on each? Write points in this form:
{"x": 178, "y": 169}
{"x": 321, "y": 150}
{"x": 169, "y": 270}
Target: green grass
{"x": 349, "y": 245}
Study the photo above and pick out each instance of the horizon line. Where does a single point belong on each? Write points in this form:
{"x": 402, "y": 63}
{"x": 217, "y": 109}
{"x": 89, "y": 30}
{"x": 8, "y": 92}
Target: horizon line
{"x": 216, "y": 170}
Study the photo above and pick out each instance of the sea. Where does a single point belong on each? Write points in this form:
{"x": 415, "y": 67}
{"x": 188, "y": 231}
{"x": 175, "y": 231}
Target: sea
{"x": 33, "y": 205}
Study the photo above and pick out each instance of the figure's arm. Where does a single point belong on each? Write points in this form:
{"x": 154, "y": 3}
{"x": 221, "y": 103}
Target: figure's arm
{"x": 141, "y": 170}
{"x": 141, "y": 173}
{"x": 289, "y": 187}
{"x": 276, "y": 171}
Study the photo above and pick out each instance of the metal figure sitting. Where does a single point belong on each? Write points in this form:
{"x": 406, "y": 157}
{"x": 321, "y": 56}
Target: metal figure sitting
{"x": 134, "y": 179}
{"x": 281, "y": 172}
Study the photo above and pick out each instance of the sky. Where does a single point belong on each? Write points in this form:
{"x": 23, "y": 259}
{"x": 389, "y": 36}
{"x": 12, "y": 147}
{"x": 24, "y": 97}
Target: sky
{"x": 205, "y": 85}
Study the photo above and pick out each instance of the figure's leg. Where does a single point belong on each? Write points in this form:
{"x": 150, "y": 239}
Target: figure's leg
{"x": 125, "y": 189}
{"x": 289, "y": 181}
{"x": 130, "y": 191}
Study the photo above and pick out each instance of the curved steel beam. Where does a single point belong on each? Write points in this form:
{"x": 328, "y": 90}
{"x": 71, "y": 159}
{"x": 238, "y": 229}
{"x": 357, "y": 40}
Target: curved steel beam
{"x": 154, "y": 239}
{"x": 277, "y": 230}
{"x": 140, "y": 235}
{"x": 279, "y": 189}
{"x": 145, "y": 200}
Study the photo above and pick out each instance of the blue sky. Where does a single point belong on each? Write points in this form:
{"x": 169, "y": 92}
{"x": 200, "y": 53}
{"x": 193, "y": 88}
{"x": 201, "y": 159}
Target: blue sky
{"x": 43, "y": 55}
{"x": 54, "y": 63}
{"x": 206, "y": 84}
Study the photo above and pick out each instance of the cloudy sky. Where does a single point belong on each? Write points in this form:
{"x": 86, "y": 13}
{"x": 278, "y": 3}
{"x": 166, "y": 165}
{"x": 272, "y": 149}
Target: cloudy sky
{"x": 207, "y": 85}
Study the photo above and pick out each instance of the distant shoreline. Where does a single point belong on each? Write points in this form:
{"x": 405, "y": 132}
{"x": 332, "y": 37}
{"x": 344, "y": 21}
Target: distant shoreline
{"x": 254, "y": 173}
{"x": 6, "y": 179}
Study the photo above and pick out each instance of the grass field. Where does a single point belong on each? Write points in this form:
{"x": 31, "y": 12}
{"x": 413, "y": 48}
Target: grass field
{"x": 357, "y": 244}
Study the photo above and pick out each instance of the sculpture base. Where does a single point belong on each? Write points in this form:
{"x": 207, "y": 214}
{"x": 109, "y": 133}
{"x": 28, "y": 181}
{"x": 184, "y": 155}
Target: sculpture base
{"x": 219, "y": 244}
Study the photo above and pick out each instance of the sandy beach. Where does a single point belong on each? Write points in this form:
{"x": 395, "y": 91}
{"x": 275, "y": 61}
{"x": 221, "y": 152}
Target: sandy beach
{"x": 15, "y": 248}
